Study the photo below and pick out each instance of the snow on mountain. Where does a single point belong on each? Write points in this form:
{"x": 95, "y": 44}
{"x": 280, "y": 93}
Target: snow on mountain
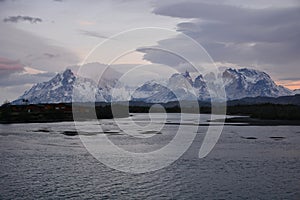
{"x": 152, "y": 91}
{"x": 297, "y": 91}
{"x": 148, "y": 89}
{"x": 178, "y": 87}
{"x": 201, "y": 88}
{"x": 238, "y": 83}
{"x": 182, "y": 86}
{"x": 60, "y": 89}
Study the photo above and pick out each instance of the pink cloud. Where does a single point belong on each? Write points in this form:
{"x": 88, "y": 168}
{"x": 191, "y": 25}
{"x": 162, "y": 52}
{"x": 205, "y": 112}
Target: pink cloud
{"x": 10, "y": 66}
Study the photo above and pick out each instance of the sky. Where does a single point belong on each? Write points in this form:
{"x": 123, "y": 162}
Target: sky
{"x": 40, "y": 38}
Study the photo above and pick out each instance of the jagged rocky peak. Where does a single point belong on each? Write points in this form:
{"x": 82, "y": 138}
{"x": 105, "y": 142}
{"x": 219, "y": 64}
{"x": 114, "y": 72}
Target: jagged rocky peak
{"x": 149, "y": 85}
{"x": 181, "y": 80}
{"x": 296, "y": 91}
{"x": 199, "y": 81}
{"x": 245, "y": 73}
{"x": 186, "y": 74}
{"x": 68, "y": 76}
{"x": 60, "y": 89}
{"x": 238, "y": 83}
{"x": 68, "y": 73}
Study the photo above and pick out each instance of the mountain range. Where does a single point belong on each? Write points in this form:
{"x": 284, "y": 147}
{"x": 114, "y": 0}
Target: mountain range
{"x": 238, "y": 84}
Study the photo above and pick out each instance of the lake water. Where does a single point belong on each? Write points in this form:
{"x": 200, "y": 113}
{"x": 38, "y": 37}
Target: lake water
{"x": 248, "y": 162}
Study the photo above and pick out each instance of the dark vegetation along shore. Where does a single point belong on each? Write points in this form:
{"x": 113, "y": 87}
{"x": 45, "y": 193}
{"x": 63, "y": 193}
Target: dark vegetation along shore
{"x": 38, "y": 113}
{"x": 255, "y": 114}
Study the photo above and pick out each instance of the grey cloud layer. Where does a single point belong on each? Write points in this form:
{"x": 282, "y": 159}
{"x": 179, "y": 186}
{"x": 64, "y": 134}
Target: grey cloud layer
{"x": 92, "y": 34}
{"x": 20, "y": 49}
{"x": 17, "y": 79}
{"x": 14, "y": 84}
{"x": 34, "y": 51}
{"x": 8, "y": 67}
{"x": 19, "y": 18}
{"x": 269, "y": 37}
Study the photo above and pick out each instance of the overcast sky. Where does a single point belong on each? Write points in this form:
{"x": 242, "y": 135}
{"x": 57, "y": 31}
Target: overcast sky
{"x": 41, "y": 38}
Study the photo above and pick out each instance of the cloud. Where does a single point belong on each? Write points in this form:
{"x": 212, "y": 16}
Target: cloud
{"x": 50, "y": 55}
{"x": 267, "y": 38}
{"x": 13, "y": 73}
{"x": 85, "y": 23}
{"x": 19, "y": 18}
{"x": 17, "y": 79}
{"x": 92, "y": 34}
{"x": 13, "y": 85}
{"x": 21, "y": 50}
{"x": 8, "y": 66}
{"x": 32, "y": 50}
{"x": 229, "y": 13}
{"x": 14, "y": 78}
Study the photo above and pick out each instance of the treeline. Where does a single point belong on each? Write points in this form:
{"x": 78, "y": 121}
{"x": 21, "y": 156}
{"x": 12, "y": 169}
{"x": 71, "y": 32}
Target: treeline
{"x": 259, "y": 111}
{"x": 66, "y": 112}
{"x": 38, "y": 113}
{"x": 266, "y": 111}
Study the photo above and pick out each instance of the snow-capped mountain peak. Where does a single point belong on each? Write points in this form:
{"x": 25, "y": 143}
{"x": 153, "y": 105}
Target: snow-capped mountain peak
{"x": 60, "y": 89}
{"x": 296, "y": 91}
{"x": 238, "y": 83}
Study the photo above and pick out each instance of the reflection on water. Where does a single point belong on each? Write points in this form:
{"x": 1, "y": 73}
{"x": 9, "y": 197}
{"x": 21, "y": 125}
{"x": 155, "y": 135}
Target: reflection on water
{"x": 38, "y": 161}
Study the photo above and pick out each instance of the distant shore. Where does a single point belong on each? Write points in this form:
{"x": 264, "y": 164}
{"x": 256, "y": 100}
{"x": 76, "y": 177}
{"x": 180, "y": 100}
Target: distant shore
{"x": 259, "y": 114}
{"x": 248, "y": 121}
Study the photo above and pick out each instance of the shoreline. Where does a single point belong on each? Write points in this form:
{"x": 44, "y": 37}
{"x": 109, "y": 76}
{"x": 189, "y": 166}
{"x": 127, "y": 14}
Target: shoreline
{"x": 240, "y": 115}
{"x": 248, "y": 121}
{"x": 232, "y": 121}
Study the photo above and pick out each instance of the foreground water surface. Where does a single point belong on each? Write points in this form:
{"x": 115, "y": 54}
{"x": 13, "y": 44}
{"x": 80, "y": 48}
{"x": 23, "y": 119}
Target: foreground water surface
{"x": 254, "y": 162}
